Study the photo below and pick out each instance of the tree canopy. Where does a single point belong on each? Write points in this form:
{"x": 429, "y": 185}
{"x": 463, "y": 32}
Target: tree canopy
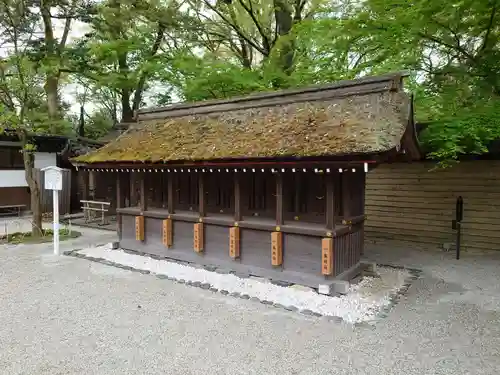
{"x": 137, "y": 53}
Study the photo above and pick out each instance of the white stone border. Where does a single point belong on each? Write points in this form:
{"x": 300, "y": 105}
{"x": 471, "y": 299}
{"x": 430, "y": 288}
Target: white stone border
{"x": 365, "y": 301}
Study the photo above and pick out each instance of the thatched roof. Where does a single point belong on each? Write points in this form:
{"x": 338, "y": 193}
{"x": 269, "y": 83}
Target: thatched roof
{"x": 365, "y": 116}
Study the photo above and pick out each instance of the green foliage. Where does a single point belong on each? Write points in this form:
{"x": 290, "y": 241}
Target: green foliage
{"x": 206, "y": 49}
{"x": 98, "y": 124}
{"x": 123, "y": 53}
{"x": 467, "y": 132}
{"x": 201, "y": 78}
{"x": 453, "y": 48}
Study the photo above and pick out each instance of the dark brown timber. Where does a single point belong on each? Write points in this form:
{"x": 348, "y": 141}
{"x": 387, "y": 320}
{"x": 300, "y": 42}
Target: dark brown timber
{"x": 279, "y": 199}
{"x": 330, "y": 202}
{"x": 201, "y": 192}
{"x": 237, "y": 197}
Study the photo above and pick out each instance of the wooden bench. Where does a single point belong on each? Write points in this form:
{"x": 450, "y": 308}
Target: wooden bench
{"x": 12, "y": 209}
{"x": 92, "y": 208}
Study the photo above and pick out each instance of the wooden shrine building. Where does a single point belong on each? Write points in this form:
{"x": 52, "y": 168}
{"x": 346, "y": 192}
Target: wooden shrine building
{"x": 270, "y": 185}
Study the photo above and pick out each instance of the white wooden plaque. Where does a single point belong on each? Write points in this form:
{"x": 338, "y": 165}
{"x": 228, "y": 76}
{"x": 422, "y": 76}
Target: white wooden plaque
{"x": 53, "y": 178}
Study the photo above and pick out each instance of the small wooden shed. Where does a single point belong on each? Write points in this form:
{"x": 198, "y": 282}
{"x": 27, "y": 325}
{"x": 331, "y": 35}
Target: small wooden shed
{"x": 271, "y": 184}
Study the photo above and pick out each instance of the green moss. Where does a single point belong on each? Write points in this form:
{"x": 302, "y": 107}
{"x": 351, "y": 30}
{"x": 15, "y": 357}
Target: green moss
{"x": 47, "y": 236}
{"x": 368, "y": 123}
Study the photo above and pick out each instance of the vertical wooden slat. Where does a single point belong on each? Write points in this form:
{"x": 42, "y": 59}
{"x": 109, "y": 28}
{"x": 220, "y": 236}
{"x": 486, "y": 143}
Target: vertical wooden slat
{"x": 198, "y": 237}
{"x": 167, "y": 234}
{"x": 327, "y": 256}
{"x": 279, "y": 199}
{"x": 170, "y": 193}
{"x": 234, "y": 242}
{"x": 330, "y": 201}
{"x": 201, "y": 194}
{"x": 276, "y": 248}
{"x": 237, "y": 197}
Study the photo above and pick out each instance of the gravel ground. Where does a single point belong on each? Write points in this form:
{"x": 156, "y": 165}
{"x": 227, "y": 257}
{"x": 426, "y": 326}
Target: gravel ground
{"x": 70, "y": 316}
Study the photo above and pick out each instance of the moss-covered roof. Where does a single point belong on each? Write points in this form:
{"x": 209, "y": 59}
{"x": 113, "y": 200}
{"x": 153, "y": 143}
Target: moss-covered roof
{"x": 358, "y": 123}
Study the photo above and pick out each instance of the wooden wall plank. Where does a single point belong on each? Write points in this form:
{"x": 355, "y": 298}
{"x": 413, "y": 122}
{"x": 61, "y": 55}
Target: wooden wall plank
{"x": 409, "y": 202}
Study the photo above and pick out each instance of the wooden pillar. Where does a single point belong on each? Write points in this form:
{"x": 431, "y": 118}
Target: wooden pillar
{"x": 170, "y": 193}
{"x": 330, "y": 201}
{"x": 362, "y": 188}
{"x": 143, "y": 190}
{"x": 237, "y": 197}
{"x": 133, "y": 192}
{"x": 92, "y": 185}
{"x": 120, "y": 202}
{"x": 279, "y": 199}
{"x": 346, "y": 195}
{"x": 297, "y": 188}
{"x": 85, "y": 184}
{"x": 277, "y": 237}
{"x": 201, "y": 194}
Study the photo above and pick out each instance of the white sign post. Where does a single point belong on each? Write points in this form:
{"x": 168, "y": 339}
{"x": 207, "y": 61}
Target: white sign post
{"x": 53, "y": 181}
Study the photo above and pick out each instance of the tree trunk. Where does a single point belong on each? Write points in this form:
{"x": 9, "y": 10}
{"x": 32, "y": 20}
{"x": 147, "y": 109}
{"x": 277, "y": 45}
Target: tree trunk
{"x": 52, "y": 77}
{"x": 127, "y": 111}
{"x": 36, "y": 209}
{"x": 126, "y": 92}
{"x": 284, "y": 23}
{"x": 51, "y": 86}
{"x": 81, "y": 122}
{"x": 29, "y": 167}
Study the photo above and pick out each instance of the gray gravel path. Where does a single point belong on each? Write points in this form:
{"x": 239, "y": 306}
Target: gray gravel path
{"x": 70, "y": 316}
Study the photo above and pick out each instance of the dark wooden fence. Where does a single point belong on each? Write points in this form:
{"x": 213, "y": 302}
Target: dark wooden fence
{"x": 46, "y": 195}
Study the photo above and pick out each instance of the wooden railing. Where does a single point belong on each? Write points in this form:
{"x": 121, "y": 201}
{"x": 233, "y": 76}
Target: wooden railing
{"x": 92, "y": 208}
{"x": 348, "y": 249}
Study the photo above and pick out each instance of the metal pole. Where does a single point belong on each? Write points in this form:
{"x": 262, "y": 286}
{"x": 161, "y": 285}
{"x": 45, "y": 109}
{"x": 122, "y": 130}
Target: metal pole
{"x": 459, "y": 216}
{"x": 55, "y": 196}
